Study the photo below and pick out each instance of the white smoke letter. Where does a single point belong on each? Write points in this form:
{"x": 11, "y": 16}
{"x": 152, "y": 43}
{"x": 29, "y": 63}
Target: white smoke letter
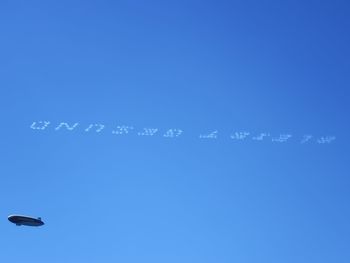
{"x": 40, "y": 125}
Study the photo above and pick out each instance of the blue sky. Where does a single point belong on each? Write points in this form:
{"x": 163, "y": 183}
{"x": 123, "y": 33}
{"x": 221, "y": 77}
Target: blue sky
{"x": 275, "y": 67}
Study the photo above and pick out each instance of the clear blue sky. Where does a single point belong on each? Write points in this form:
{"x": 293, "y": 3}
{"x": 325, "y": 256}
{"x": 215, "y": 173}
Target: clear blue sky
{"x": 280, "y": 67}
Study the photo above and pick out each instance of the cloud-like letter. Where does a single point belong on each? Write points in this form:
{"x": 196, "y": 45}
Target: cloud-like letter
{"x": 40, "y": 125}
{"x": 64, "y": 124}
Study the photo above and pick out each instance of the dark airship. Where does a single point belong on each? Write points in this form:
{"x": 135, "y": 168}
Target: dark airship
{"x": 20, "y": 220}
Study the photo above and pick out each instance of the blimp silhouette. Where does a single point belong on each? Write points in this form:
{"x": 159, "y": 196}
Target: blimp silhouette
{"x": 20, "y": 220}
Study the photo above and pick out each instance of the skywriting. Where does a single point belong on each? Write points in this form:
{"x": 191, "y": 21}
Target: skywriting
{"x": 172, "y": 133}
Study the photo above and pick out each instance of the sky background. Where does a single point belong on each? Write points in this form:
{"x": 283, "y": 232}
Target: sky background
{"x": 280, "y": 67}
